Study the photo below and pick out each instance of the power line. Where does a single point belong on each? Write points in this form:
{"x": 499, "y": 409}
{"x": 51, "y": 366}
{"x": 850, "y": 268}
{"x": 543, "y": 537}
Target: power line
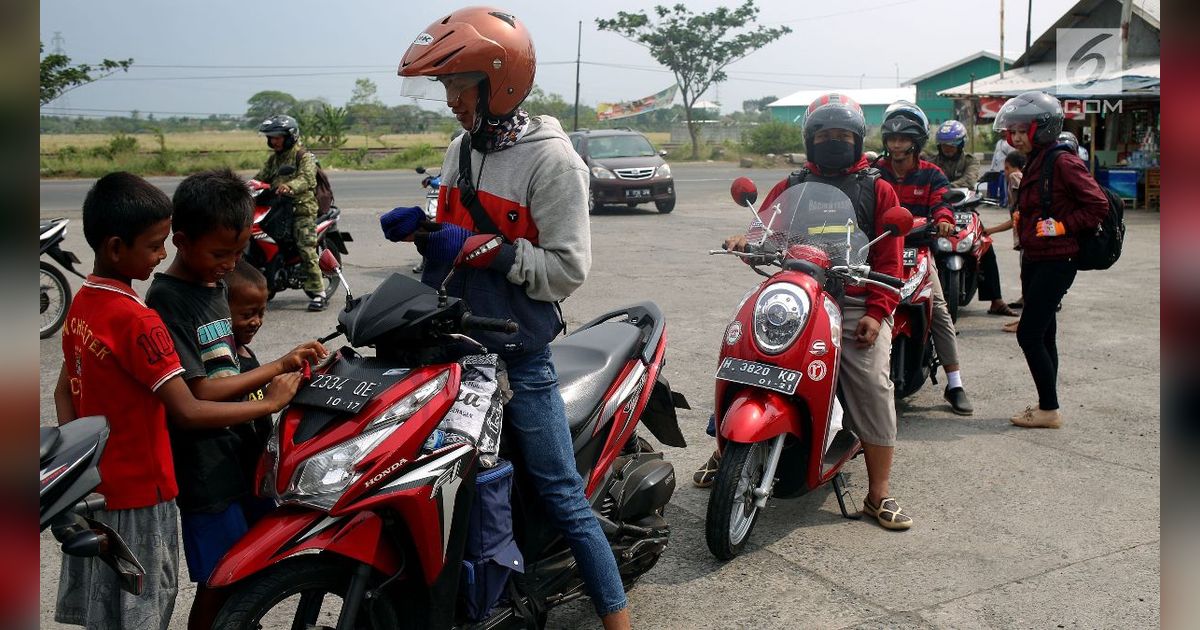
{"x": 850, "y": 12}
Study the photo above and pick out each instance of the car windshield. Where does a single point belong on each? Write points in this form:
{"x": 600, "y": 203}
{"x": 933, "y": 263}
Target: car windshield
{"x": 619, "y": 146}
{"x": 811, "y": 214}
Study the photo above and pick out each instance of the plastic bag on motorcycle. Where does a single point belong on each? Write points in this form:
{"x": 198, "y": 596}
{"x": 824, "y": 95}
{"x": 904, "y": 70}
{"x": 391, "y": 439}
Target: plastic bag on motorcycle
{"x": 280, "y": 222}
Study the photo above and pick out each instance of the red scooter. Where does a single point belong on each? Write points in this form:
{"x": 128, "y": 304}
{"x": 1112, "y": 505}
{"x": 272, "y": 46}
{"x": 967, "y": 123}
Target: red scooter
{"x": 272, "y": 248}
{"x": 777, "y": 408}
{"x": 959, "y": 255}
{"x": 380, "y": 466}
{"x": 914, "y": 359}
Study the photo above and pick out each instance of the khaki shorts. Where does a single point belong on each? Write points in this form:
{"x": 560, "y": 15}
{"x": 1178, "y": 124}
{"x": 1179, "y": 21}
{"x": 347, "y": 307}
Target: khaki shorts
{"x": 866, "y": 381}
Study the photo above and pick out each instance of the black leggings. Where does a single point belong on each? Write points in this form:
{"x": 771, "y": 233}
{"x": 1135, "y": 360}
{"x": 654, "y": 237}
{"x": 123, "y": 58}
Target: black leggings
{"x": 1043, "y": 285}
{"x": 989, "y": 276}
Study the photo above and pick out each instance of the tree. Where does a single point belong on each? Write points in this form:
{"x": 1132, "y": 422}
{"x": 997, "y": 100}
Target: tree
{"x": 268, "y": 103}
{"x": 364, "y": 93}
{"x": 695, "y": 47}
{"x": 364, "y": 108}
{"x": 58, "y": 76}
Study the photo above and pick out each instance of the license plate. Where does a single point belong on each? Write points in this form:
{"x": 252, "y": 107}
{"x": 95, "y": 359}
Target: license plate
{"x": 770, "y": 377}
{"x": 910, "y": 256}
{"x": 637, "y": 193}
{"x": 339, "y": 393}
{"x": 962, "y": 219}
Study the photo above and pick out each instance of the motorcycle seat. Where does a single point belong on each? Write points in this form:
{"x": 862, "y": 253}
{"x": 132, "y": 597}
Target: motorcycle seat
{"x": 48, "y": 438}
{"x": 588, "y": 362}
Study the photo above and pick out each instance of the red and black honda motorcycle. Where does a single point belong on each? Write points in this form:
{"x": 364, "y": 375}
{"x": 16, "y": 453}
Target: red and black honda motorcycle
{"x": 959, "y": 254}
{"x": 777, "y": 409}
{"x": 378, "y": 494}
{"x": 272, "y": 248}
{"x": 914, "y": 359}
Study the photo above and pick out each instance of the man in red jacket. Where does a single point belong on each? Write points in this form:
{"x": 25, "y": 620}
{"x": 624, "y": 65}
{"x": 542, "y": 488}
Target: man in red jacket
{"x": 834, "y": 128}
{"x": 1049, "y": 235}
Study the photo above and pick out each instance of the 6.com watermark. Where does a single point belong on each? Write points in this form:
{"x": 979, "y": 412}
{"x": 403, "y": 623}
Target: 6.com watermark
{"x": 1087, "y": 68}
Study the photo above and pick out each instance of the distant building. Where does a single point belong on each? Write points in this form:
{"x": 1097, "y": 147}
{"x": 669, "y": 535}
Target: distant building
{"x": 940, "y": 108}
{"x": 791, "y": 108}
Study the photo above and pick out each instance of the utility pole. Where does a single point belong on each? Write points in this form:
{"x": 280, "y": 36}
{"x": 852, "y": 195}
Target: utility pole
{"x": 1002, "y": 39}
{"x": 578, "y": 51}
{"x": 897, "y": 73}
{"x": 1028, "y": 29}
{"x": 1126, "y": 16}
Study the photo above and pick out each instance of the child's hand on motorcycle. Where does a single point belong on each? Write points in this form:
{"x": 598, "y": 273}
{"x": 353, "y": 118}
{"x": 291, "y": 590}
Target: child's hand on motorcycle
{"x": 1050, "y": 227}
{"x": 281, "y": 390}
{"x": 308, "y": 352}
{"x": 399, "y": 223}
{"x": 866, "y": 332}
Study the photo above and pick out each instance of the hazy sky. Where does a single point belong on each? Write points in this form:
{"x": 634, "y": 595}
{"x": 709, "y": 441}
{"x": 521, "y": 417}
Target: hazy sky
{"x": 208, "y": 57}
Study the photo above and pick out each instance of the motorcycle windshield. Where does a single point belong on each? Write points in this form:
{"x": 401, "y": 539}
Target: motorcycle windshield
{"x": 814, "y": 221}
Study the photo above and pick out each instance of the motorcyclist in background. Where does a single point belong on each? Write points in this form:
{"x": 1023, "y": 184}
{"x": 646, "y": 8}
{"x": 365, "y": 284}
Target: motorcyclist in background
{"x": 920, "y": 186}
{"x": 960, "y": 167}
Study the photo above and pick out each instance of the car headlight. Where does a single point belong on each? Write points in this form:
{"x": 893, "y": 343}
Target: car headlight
{"x": 322, "y": 478}
{"x": 664, "y": 170}
{"x": 779, "y": 314}
{"x": 912, "y": 283}
{"x": 965, "y": 244}
{"x": 943, "y": 244}
{"x": 599, "y": 172}
{"x": 411, "y": 403}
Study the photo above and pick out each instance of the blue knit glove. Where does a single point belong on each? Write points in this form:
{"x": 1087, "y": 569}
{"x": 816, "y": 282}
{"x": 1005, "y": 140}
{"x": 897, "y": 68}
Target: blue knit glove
{"x": 399, "y": 223}
{"x": 442, "y": 245}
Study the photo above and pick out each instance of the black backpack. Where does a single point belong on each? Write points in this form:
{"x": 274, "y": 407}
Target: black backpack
{"x": 1102, "y": 248}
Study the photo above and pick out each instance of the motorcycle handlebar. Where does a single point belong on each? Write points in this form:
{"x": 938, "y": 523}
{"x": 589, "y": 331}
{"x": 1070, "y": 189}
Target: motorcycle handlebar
{"x": 472, "y": 322}
{"x": 883, "y": 278}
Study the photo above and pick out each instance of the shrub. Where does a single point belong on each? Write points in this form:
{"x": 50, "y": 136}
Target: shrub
{"x": 774, "y": 137}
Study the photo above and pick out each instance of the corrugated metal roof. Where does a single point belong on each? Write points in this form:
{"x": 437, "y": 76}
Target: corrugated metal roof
{"x": 988, "y": 54}
{"x": 865, "y": 96}
{"x": 1142, "y": 78}
{"x": 1148, "y": 10}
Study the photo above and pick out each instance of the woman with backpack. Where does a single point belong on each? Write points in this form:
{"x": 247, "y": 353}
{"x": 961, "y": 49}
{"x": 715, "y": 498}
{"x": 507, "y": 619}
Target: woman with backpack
{"x": 1057, "y": 203}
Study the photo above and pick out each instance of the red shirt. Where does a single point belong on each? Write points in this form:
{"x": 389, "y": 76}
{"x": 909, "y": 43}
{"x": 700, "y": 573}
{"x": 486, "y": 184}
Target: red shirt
{"x": 117, "y": 353}
{"x": 886, "y": 256}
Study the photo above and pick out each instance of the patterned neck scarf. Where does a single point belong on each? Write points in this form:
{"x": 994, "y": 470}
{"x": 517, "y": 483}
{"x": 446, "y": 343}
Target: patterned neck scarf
{"x": 498, "y": 135}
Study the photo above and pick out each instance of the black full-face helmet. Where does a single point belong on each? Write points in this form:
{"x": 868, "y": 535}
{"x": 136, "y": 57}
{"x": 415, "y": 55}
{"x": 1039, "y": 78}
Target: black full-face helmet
{"x": 1041, "y": 113}
{"x": 905, "y": 119}
{"x": 281, "y": 125}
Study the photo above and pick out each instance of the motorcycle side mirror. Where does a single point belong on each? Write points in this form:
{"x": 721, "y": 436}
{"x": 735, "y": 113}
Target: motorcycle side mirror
{"x": 421, "y": 170}
{"x": 897, "y": 220}
{"x": 954, "y": 195}
{"x": 744, "y": 192}
{"x": 479, "y": 251}
{"x": 286, "y": 170}
{"x": 330, "y": 264}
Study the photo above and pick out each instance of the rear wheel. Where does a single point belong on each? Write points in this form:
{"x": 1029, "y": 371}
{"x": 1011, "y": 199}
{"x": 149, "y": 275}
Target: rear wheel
{"x": 665, "y": 207}
{"x": 731, "y": 510}
{"x": 305, "y": 593}
{"x": 54, "y": 299}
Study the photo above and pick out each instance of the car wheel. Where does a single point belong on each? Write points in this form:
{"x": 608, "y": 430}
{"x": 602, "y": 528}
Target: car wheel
{"x": 592, "y": 205}
{"x": 666, "y": 206}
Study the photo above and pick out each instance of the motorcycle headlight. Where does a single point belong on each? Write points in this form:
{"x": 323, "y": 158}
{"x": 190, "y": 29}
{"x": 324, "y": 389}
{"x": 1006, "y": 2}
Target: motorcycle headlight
{"x": 322, "y": 478}
{"x": 779, "y": 315}
{"x": 599, "y": 172}
{"x": 965, "y": 244}
{"x": 664, "y": 170}
{"x": 411, "y": 403}
{"x": 912, "y": 283}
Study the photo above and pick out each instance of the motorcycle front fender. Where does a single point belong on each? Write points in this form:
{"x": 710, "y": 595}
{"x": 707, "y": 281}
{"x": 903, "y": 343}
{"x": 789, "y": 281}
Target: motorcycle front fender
{"x": 954, "y": 262}
{"x": 755, "y": 415}
{"x": 288, "y": 532}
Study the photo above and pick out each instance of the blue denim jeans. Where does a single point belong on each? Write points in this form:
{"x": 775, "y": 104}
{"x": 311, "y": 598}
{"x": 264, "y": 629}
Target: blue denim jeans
{"x": 538, "y": 420}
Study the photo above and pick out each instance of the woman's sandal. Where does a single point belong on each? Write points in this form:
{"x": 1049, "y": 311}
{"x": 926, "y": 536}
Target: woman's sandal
{"x": 1003, "y": 309}
{"x": 889, "y": 514}
{"x": 707, "y": 472}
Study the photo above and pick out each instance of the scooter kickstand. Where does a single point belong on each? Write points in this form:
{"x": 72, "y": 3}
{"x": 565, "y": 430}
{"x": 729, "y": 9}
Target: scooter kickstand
{"x": 842, "y": 492}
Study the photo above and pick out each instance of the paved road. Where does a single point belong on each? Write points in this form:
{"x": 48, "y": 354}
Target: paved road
{"x": 1014, "y": 528}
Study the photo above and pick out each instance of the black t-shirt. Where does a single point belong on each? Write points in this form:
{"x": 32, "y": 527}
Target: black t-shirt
{"x": 253, "y": 434}
{"x": 207, "y": 461}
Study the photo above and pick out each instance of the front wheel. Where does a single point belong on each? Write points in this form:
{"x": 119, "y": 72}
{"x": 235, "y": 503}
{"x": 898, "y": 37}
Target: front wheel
{"x": 951, "y": 281}
{"x": 665, "y": 206}
{"x": 731, "y": 510}
{"x": 54, "y": 299}
{"x": 304, "y": 593}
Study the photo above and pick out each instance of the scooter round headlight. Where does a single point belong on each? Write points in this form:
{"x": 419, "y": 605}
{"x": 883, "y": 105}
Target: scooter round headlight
{"x": 779, "y": 315}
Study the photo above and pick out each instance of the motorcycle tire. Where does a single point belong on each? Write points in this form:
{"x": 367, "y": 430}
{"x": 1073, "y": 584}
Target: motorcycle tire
{"x": 970, "y": 285}
{"x": 249, "y": 602}
{"x": 54, "y": 299}
{"x": 906, "y": 379}
{"x": 951, "y": 281}
{"x": 731, "y": 513}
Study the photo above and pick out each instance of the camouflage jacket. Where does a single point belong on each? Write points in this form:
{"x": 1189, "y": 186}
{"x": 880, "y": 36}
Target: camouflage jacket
{"x": 303, "y": 182}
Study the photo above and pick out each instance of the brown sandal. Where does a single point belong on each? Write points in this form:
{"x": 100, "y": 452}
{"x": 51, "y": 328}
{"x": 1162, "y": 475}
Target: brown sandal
{"x": 707, "y": 473}
{"x": 1003, "y": 309}
{"x": 889, "y": 514}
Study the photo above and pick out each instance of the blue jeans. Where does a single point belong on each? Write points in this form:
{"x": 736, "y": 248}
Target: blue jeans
{"x": 539, "y": 422}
